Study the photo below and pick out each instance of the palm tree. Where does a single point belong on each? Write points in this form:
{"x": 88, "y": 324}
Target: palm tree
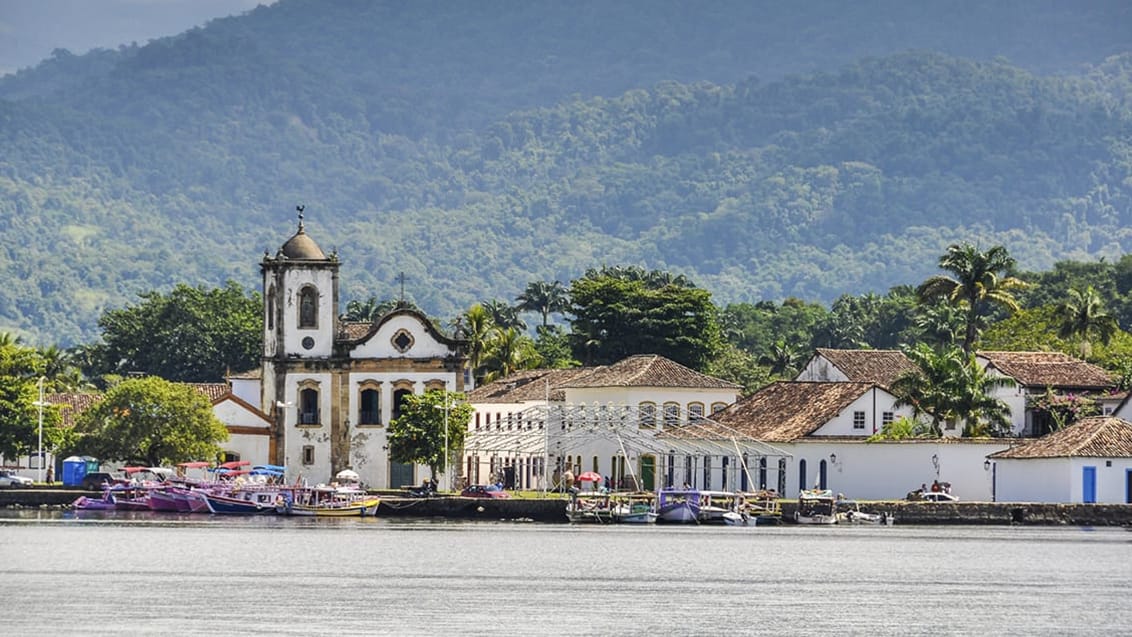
{"x": 503, "y": 315}
{"x": 939, "y": 323}
{"x": 950, "y": 386}
{"x": 545, "y": 298}
{"x": 1083, "y": 315}
{"x": 479, "y": 329}
{"x": 981, "y": 281}
{"x": 369, "y": 310}
{"x": 509, "y": 352}
{"x": 782, "y": 359}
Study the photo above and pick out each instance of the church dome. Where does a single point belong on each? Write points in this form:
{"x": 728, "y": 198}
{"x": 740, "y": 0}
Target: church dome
{"x": 301, "y": 246}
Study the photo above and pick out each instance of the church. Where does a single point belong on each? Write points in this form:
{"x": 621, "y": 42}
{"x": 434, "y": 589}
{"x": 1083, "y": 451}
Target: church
{"x": 329, "y": 387}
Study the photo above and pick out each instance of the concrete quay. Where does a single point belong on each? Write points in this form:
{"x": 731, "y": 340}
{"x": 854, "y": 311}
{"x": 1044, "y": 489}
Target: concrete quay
{"x": 554, "y": 509}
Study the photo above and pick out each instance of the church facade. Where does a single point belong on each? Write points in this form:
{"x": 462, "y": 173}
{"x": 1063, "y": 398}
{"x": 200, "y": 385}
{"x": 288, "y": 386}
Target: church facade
{"x": 332, "y": 387}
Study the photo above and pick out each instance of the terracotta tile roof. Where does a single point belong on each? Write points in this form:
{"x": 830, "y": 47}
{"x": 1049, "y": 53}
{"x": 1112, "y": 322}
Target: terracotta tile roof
{"x": 353, "y": 331}
{"x": 788, "y": 410}
{"x": 526, "y": 386}
{"x": 213, "y": 391}
{"x": 880, "y": 366}
{"x": 73, "y": 404}
{"x": 1096, "y": 437}
{"x": 251, "y": 374}
{"x": 1049, "y": 369}
{"x": 70, "y": 405}
{"x": 647, "y": 370}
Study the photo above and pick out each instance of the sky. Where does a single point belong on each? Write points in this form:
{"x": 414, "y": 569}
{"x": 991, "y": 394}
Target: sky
{"x": 31, "y": 29}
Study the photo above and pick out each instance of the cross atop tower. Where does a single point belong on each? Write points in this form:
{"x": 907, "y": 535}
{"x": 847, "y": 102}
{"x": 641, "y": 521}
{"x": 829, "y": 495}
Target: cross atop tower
{"x": 401, "y": 278}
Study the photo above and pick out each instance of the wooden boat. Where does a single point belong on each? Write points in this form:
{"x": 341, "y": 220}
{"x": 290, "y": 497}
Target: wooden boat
{"x": 681, "y": 506}
{"x": 328, "y": 502}
{"x": 816, "y": 506}
{"x": 243, "y": 501}
{"x": 590, "y": 507}
{"x": 634, "y": 508}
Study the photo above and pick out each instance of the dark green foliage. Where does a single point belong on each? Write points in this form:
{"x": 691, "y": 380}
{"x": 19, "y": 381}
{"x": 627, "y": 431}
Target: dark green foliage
{"x": 190, "y": 334}
{"x": 619, "y": 312}
{"x": 417, "y": 436}
{"x": 150, "y": 421}
{"x": 475, "y": 146}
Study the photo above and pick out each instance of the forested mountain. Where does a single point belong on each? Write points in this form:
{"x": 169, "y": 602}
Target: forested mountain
{"x": 477, "y": 146}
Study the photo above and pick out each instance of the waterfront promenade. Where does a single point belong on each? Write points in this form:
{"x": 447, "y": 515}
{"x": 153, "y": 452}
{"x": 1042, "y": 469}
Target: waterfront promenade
{"x": 553, "y": 509}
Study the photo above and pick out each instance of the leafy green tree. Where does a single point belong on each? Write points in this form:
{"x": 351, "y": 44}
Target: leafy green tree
{"x": 150, "y": 421}
{"x": 981, "y": 281}
{"x": 417, "y": 435}
{"x": 617, "y": 315}
{"x": 902, "y": 428}
{"x": 553, "y": 346}
{"x": 949, "y": 386}
{"x": 190, "y": 335}
{"x": 20, "y": 370}
{"x": 544, "y": 297}
{"x": 1084, "y": 317}
{"x": 738, "y": 366}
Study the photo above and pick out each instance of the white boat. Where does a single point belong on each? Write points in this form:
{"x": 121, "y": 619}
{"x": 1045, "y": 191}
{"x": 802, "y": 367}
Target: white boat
{"x": 854, "y": 515}
{"x": 816, "y": 506}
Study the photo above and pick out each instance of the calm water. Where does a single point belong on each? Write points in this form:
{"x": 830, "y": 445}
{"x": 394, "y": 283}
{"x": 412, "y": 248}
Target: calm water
{"x": 193, "y": 575}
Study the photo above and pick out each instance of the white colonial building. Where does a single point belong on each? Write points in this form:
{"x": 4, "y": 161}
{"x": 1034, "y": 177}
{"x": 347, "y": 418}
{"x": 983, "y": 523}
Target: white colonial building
{"x": 530, "y": 428}
{"x": 331, "y": 388}
{"x": 1089, "y": 461}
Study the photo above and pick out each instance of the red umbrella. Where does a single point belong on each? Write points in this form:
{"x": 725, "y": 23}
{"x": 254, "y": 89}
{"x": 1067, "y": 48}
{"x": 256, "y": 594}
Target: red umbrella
{"x": 590, "y": 476}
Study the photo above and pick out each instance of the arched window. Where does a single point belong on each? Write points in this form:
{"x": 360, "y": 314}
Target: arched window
{"x": 369, "y": 412}
{"x": 646, "y": 415}
{"x": 308, "y": 307}
{"x": 695, "y": 412}
{"x": 718, "y": 407}
{"x": 308, "y": 406}
{"x": 271, "y": 308}
{"x": 671, "y": 414}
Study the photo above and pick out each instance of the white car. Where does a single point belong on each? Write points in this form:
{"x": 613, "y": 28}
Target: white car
{"x": 12, "y": 481}
{"x": 938, "y": 496}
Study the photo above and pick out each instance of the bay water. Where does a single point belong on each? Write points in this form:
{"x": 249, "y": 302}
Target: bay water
{"x": 163, "y": 574}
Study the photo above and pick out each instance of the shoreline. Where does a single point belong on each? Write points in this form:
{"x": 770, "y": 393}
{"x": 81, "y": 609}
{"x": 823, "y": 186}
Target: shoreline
{"x": 553, "y": 510}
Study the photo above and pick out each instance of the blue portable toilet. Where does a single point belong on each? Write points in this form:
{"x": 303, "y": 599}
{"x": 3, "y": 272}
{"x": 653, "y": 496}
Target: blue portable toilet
{"x": 75, "y": 469}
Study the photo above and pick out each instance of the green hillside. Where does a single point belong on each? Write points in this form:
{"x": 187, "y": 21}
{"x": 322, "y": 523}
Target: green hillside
{"x": 476, "y": 147}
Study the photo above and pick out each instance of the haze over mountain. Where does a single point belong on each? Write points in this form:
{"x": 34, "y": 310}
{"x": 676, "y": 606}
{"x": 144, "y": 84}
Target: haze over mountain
{"x": 762, "y": 149}
{"x": 31, "y": 29}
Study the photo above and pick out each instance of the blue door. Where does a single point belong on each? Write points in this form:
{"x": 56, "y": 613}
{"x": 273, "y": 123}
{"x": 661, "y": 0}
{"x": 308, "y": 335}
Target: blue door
{"x": 1128, "y": 486}
{"x": 1089, "y": 485}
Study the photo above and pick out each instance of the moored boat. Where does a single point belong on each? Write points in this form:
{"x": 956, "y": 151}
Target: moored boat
{"x": 681, "y": 506}
{"x": 327, "y": 502}
{"x": 816, "y": 506}
{"x": 590, "y": 507}
{"x": 634, "y": 508}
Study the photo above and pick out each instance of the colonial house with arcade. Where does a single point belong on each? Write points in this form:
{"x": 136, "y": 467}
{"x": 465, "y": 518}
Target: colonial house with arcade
{"x": 530, "y": 428}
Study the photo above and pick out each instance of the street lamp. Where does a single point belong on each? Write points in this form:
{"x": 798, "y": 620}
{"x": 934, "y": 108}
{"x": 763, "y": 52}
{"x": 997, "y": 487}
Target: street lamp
{"x": 447, "y": 480}
{"x": 39, "y": 403}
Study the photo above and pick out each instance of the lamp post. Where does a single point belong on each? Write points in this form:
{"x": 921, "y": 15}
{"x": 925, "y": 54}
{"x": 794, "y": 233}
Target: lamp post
{"x": 447, "y": 480}
{"x": 39, "y": 403}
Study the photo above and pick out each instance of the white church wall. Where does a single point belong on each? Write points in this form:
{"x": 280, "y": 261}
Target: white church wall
{"x": 380, "y": 345}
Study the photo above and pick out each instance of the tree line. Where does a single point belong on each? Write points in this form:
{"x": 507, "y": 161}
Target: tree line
{"x": 979, "y": 300}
